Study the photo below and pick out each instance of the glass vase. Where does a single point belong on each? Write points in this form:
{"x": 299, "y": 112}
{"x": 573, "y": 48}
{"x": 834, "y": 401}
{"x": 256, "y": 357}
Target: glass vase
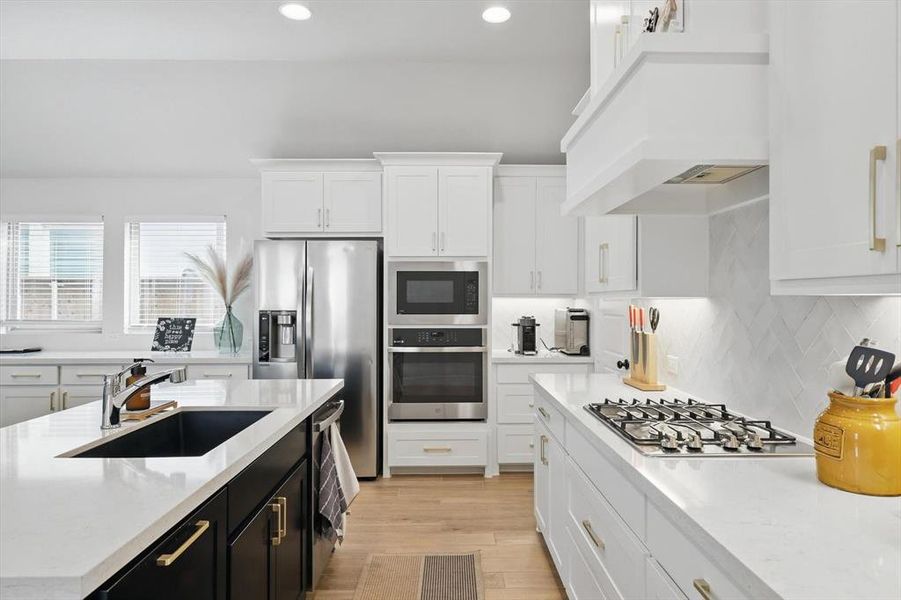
{"x": 229, "y": 333}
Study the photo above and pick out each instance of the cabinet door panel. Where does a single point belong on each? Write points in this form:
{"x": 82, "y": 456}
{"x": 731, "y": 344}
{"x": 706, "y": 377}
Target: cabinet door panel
{"x": 251, "y": 558}
{"x": 514, "y": 235}
{"x": 464, "y": 202}
{"x": 290, "y": 554}
{"x": 292, "y": 202}
{"x": 412, "y": 211}
{"x": 76, "y": 395}
{"x": 189, "y": 564}
{"x": 541, "y": 485}
{"x": 353, "y": 202}
{"x": 557, "y": 241}
{"x": 20, "y": 403}
{"x": 834, "y": 99}
{"x": 611, "y": 253}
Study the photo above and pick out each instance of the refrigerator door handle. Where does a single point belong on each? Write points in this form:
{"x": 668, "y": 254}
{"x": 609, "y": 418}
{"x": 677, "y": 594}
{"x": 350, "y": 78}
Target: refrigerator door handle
{"x": 308, "y": 324}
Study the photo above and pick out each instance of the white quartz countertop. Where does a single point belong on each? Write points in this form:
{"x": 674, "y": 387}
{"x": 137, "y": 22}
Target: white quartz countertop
{"x": 53, "y": 357}
{"x": 68, "y": 524}
{"x": 768, "y": 522}
{"x": 543, "y": 356}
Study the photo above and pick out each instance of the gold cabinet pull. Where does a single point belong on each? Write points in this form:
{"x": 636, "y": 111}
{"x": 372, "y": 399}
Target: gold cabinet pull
{"x": 277, "y": 509}
{"x": 283, "y": 521}
{"x": 544, "y": 413}
{"x": 703, "y": 588}
{"x": 164, "y": 560}
{"x": 598, "y": 542}
{"x": 437, "y": 449}
{"x": 877, "y": 153}
{"x": 52, "y": 398}
{"x": 65, "y": 400}
{"x": 543, "y": 447}
{"x": 602, "y": 263}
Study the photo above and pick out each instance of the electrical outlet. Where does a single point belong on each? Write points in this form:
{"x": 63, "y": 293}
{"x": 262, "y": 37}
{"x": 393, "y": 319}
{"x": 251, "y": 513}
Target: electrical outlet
{"x": 672, "y": 364}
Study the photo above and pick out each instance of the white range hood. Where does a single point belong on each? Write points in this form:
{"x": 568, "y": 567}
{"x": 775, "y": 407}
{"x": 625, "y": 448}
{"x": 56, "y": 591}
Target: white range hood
{"x": 680, "y": 127}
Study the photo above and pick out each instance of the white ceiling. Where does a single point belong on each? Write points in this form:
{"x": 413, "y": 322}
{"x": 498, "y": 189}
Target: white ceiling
{"x": 195, "y": 88}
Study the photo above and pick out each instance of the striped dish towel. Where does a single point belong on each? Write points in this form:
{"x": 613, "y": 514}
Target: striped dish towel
{"x": 332, "y": 503}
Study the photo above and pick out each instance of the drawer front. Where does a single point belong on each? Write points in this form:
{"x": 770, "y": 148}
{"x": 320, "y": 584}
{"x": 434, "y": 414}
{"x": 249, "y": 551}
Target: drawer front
{"x": 696, "y": 576}
{"x": 430, "y": 449}
{"x": 582, "y": 581}
{"x": 29, "y": 375}
{"x": 520, "y": 373}
{"x": 515, "y": 403}
{"x": 603, "y": 536}
{"x": 628, "y": 502}
{"x": 659, "y": 585}
{"x": 547, "y": 413}
{"x": 87, "y": 374}
{"x": 514, "y": 444}
{"x": 235, "y": 372}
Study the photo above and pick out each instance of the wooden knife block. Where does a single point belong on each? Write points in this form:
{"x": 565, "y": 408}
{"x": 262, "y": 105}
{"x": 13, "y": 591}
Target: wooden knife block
{"x": 643, "y": 363}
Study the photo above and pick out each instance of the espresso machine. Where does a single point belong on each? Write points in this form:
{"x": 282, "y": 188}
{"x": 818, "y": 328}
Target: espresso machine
{"x": 526, "y": 336}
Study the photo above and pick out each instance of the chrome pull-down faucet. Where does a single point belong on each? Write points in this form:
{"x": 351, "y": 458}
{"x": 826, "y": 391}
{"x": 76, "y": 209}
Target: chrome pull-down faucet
{"x": 115, "y": 396}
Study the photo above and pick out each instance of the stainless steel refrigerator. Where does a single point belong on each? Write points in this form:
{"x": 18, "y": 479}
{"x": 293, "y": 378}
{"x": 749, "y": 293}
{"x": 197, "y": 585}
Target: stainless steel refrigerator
{"x": 318, "y": 311}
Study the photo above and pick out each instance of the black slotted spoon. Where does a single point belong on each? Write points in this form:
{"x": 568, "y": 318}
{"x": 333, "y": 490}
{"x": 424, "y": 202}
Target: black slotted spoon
{"x": 868, "y": 365}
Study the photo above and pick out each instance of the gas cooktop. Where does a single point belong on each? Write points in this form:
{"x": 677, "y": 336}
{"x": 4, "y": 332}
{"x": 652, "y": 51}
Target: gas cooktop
{"x": 690, "y": 428}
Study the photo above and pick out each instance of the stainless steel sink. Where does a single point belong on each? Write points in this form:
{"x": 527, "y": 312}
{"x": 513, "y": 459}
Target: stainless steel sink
{"x": 184, "y": 433}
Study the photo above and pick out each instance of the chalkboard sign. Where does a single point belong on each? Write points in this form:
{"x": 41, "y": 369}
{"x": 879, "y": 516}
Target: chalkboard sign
{"x": 173, "y": 335}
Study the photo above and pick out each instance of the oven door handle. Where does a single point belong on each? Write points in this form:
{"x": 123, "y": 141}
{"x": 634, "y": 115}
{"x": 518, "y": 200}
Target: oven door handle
{"x": 472, "y": 349}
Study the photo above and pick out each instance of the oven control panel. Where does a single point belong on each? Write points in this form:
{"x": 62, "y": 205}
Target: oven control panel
{"x": 472, "y": 336}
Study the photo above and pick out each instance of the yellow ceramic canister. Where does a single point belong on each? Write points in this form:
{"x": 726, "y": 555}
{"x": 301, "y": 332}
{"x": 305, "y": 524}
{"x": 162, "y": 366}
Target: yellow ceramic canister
{"x": 858, "y": 445}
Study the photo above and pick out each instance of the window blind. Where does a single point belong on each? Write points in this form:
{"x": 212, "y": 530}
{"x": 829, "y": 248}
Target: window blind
{"x": 51, "y": 273}
{"x": 160, "y": 280}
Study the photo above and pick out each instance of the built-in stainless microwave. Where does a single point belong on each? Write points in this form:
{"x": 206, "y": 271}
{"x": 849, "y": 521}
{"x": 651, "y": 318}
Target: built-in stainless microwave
{"x": 437, "y": 293}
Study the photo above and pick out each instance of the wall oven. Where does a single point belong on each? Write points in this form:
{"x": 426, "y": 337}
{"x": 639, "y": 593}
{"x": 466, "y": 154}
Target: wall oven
{"x": 437, "y": 293}
{"x": 437, "y": 374}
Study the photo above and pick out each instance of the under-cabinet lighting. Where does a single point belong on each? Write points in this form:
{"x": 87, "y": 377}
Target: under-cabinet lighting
{"x": 294, "y": 11}
{"x": 496, "y": 14}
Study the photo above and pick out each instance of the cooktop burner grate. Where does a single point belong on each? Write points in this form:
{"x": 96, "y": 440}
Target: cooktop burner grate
{"x": 692, "y": 428}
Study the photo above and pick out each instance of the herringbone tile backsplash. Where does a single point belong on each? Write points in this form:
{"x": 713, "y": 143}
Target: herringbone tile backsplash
{"x": 763, "y": 355}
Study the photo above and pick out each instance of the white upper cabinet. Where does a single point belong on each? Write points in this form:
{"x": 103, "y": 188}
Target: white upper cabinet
{"x": 464, "y": 205}
{"x": 412, "y": 211}
{"x": 834, "y": 123}
{"x": 648, "y": 255}
{"x": 515, "y": 201}
{"x": 557, "y": 241}
{"x": 353, "y": 202}
{"x": 309, "y": 196}
{"x": 292, "y": 202}
{"x": 439, "y": 204}
{"x": 536, "y": 249}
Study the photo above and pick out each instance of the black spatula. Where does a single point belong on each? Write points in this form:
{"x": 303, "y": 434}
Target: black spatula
{"x": 868, "y": 365}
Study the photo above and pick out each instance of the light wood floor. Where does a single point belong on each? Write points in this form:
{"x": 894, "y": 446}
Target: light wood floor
{"x": 448, "y": 513}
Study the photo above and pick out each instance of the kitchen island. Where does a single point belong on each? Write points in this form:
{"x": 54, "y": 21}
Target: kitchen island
{"x": 67, "y": 525}
{"x": 701, "y": 526}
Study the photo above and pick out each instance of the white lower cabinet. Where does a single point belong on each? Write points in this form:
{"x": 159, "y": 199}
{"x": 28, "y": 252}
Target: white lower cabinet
{"x": 437, "y": 444}
{"x": 76, "y": 395}
{"x": 659, "y": 585}
{"x": 607, "y": 540}
{"x": 22, "y": 402}
{"x": 515, "y": 400}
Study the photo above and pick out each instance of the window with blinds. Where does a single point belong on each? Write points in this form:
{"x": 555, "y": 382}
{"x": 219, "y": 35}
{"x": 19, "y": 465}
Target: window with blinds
{"x": 160, "y": 280}
{"x": 51, "y": 274}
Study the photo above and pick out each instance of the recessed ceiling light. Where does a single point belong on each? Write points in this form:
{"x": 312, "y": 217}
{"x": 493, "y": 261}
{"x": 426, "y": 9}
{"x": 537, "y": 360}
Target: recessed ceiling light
{"x": 294, "y": 11}
{"x": 496, "y": 14}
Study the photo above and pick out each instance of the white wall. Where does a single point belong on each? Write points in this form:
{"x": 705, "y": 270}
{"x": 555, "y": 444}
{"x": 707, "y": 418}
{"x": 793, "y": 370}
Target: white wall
{"x": 116, "y": 200}
{"x": 762, "y": 355}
